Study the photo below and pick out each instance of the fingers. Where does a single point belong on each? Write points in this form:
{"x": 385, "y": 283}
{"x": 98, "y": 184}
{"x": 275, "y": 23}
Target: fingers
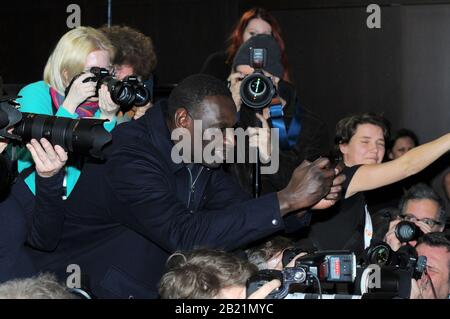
{"x": 265, "y": 290}
{"x": 339, "y": 179}
{"x": 424, "y": 227}
{"x": 263, "y": 121}
{"x": 322, "y": 162}
{"x": 48, "y": 159}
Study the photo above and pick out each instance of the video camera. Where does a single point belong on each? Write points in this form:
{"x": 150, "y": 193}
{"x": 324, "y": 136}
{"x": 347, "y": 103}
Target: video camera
{"x": 127, "y": 93}
{"x": 326, "y": 266}
{"x": 257, "y": 90}
{"x": 81, "y": 136}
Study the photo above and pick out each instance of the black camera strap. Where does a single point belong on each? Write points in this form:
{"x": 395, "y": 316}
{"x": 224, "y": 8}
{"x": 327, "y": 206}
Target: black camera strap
{"x": 288, "y": 138}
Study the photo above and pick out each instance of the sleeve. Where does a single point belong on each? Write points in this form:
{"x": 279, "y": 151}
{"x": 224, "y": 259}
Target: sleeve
{"x": 47, "y": 221}
{"x": 144, "y": 200}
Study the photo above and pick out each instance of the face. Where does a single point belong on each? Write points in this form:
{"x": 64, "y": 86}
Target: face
{"x": 99, "y": 58}
{"x": 438, "y": 259}
{"x": 423, "y": 209}
{"x": 401, "y": 146}
{"x": 365, "y": 147}
{"x": 218, "y": 113}
{"x": 256, "y": 26}
{"x": 122, "y": 71}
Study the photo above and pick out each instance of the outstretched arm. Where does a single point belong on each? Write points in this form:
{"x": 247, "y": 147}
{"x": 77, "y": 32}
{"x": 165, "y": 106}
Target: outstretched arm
{"x": 373, "y": 176}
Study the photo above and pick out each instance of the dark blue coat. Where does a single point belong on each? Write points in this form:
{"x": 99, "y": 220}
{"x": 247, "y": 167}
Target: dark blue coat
{"x": 124, "y": 218}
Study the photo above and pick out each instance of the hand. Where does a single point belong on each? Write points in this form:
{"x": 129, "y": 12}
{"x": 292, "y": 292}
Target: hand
{"x": 48, "y": 159}
{"x": 260, "y": 137}
{"x": 140, "y": 111}
{"x": 107, "y": 107}
{"x": 416, "y": 292}
{"x": 292, "y": 262}
{"x": 3, "y": 146}
{"x": 265, "y": 289}
{"x": 335, "y": 192}
{"x": 390, "y": 237}
{"x": 309, "y": 183}
{"x": 79, "y": 92}
{"x": 235, "y": 80}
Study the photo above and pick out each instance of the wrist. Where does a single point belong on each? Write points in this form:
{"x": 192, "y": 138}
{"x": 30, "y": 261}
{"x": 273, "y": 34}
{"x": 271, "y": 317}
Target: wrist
{"x": 284, "y": 202}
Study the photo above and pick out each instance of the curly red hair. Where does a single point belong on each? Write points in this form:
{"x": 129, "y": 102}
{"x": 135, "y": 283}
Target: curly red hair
{"x": 236, "y": 39}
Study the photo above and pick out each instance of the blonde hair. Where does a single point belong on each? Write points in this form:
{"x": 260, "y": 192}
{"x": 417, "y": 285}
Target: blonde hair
{"x": 70, "y": 55}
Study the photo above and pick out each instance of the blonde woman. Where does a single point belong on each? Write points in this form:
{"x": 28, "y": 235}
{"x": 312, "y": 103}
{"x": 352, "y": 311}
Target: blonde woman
{"x": 76, "y": 52}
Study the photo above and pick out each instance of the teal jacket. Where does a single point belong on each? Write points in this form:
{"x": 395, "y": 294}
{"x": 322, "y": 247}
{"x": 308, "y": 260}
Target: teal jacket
{"x": 35, "y": 98}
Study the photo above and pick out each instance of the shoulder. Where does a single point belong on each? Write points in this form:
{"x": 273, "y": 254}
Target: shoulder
{"x": 34, "y": 96}
{"x": 36, "y": 87}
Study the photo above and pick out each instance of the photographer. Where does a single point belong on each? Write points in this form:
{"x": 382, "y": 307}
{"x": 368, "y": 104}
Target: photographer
{"x": 37, "y": 220}
{"x": 360, "y": 141}
{"x": 135, "y": 55}
{"x": 421, "y": 206}
{"x": 76, "y": 52}
{"x": 435, "y": 282}
{"x": 209, "y": 274}
{"x": 304, "y": 137}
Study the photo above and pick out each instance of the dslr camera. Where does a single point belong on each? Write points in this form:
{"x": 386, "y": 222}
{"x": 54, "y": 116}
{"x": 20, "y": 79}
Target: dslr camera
{"x": 257, "y": 90}
{"x": 325, "y": 266}
{"x": 127, "y": 93}
{"x": 406, "y": 231}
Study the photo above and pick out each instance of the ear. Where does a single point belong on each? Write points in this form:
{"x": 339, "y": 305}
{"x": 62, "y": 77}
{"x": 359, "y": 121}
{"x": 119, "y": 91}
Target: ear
{"x": 343, "y": 147}
{"x": 182, "y": 118}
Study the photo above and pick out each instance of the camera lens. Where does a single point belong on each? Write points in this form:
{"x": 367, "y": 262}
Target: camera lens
{"x": 257, "y": 90}
{"x": 81, "y": 136}
{"x": 406, "y": 231}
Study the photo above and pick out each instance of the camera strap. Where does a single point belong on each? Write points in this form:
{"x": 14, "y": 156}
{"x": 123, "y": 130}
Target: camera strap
{"x": 288, "y": 138}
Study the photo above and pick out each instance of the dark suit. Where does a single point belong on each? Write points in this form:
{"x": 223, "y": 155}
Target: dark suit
{"x": 124, "y": 218}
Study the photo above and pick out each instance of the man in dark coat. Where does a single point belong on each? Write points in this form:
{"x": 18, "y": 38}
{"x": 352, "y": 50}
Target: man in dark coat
{"x": 127, "y": 216}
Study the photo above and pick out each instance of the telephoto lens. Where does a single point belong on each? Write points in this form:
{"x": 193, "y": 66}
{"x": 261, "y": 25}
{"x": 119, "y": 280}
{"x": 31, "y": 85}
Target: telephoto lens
{"x": 406, "y": 231}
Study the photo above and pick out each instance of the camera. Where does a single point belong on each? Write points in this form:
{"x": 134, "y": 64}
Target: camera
{"x": 257, "y": 90}
{"x": 127, "y": 93}
{"x": 325, "y": 266}
{"x": 392, "y": 270}
{"x": 406, "y": 231}
{"x": 80, "y": 136}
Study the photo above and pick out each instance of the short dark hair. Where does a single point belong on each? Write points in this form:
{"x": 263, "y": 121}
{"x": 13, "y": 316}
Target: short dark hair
{"x": 133, "y": 48}
{"x": 434, "y": 239}
{"x": 403, "y": 132}
{"x": 191, "y": 92}
{"x": 346, "y": 128}
{"x": 201, "y": 274}
{"x": 423, "y": 191}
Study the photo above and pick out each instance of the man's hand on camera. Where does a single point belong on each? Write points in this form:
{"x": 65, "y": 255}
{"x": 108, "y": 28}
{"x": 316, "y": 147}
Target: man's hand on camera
{"x": 310, "y": 182}
{"x": 107, "y": 107}
{"x": 336, "y": 189}
{"x": 234, "y": 81}
{"x": 260, "y": 137}
{"x": 48, "y": 159}
{"x": 265, "y": 289}
{"x": 390, "y": 237}
{"x": 140, "y": 111}
{"x": 79, "y": 92}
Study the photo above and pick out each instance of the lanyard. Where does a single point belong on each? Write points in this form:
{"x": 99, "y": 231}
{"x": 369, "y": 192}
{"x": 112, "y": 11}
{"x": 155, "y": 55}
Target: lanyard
{"x": 288, "y": 138}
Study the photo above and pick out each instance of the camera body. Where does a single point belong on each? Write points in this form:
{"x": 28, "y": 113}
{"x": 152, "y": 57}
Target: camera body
{"x": 257, "y": 90}
{"x": 325, "y": 266}
{"x": 126, "y": 93}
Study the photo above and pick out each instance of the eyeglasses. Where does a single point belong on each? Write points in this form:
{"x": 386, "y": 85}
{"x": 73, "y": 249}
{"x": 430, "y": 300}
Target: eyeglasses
{"x": 411, "y": 218}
